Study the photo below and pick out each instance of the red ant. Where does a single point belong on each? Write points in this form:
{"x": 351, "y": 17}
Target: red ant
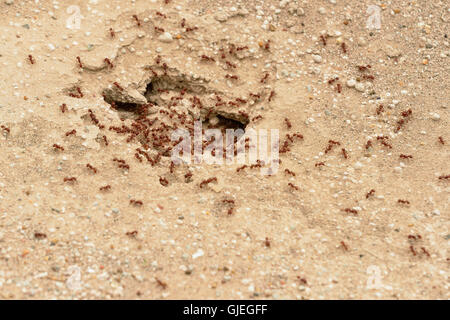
{"x": 70, "y": 179}
{"x": 68, "y": 133}
{"x": 339, "y": 88}
{"x": 267, "y": 45}
{"x": 6, "y": 129}
{"x": 324, "y": 39}
{"x": 287, "y": 171}
{"x": 258, "y": 117}
{"x": 368, "y": 144}
{"x": 132, "y": 234}
{"x": 267, "y": 242}
{"x": 183, "y": 22}
{"x": 137, "y": 203}
{"x": 293, "y": 186}
{"x": 89, "y": 166}
{"x": 158, "y": 29}
{"x": 403, "y": 201}
{"x": 414, "y": 237}
{"x": 344, "y": 153}
{"x": 112, "y": 33}
{"x": 161, "y": 14}
{"x": 411, "y": 248}
{"x": 444, "y": 177}
{"x": 79, "y": 95}
{"x": 163, "y": 181}
{"x": 231, "y": 65}
{"x": 63, "y": 108}
{"x": 118, "y": 86}
{"x": 58, "y": 147}
{"x": 272, "y": 94}
{"x": 441, "y": 140}
{"x": 380, "y": 109}
{"x": 40, "y": 235}
{"x": 344, "y": 245}
{"x": 364, "y": 68}
{"x": 344, "y": 47}
{"x": 105, "y": 140}
{"x": 266, "y": 76}
{"x": 332, "y": 80}
{"x": 229, "y": 76}
{"x": 207, "y": 181}
{"x": 319, "y": 164}
{"x": 241, "y": 168}
{"x": 79, "y": 62}
{"x": 137, "y": 20}
{"x": 302, "y": 280}
{"x": 405, "y": 156}
{"x": 370, "y": 193}
{"x": 159, "y": 282}
{"x": 331, "y": 143}
{"x": 288, "y": 123}
{"x": 190, "y": 29}
{"x": 206, "y": 58}
{"x": 188, "y": 177}
{"x": 109, "y": 63}
{"x": 425, "y": 251}
{"x": 30, "y": 57}
{"x": 105, "y": 188}
{"x": 348, "y": 210}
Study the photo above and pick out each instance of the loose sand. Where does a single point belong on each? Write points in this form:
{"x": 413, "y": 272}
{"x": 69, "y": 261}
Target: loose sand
{"x": 327, "y": 235}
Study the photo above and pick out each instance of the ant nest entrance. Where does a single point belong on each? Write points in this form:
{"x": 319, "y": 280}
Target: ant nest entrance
{"x": 166, "y": 103}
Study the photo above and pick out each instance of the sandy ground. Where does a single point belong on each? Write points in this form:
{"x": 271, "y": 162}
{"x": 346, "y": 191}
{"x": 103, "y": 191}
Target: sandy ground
{"x": 338, "y": 231}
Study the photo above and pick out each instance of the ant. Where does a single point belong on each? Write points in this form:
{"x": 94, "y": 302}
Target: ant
{"x": 161, "y": 14}
{"x": 272, "y": 94}
{"x": 258, "y": 117}
{"x": 364, "y": 68}
{"x": 344, "y": 153}
{"x": 241, "y": 168}
{"x": 319, "y": 164}
{"x": 207, "y": 181}
{"x": 348, "y": 210}
{"x": 79, "y": 95}
{"x": 105, "y": 140}
{"x": 132, "y": 234}
{"x": 63, "y": 108}
{"x": 190, "y": 29}
{"x": 425, "y": 251}
{"x": 70, "y": 179}
{"x": 288, "y": 123}
{"x": 188, "y": 177}
{"x": 332, "y": 80}
{"x": 293, "y": 186}
{"x": 105, "y": 188}
{"x": 229, "y": 76}
{"x": 30, "y": 57}
{"x": 267, "y": 45}
{"x": 183, "y": 22}
{"x": 267, "y": 242}
{"x": 344, "y": 245}
{"x": 302, "y": 280}
{"x": 109, "y": 63}
{"x": 159, "y": 282}
{"x": 137, "y": 20}
{"x": 137, "y": 203}
{"x": 403, "y": 201}
{"x": 163, "y": 181}
{"x": 368, "y": 144}
{"x": 370, "y": 193}
{"x": 287, "y": 171}
{"x": 380, "y": 109}
{"x": 6, "y": 129}
{"x": 58, "y": 147}
{"x": 68, "y": 133}
{"x": 266, "y": 76}
{"x": 89, "y": 166}
{"x": 444, "y": 177}
{"x": 339, "y": 88}
{"x": 158, "y": 29}
{"x": 414, "y": 237}
{"x": 344, "y": 47}
{"x": 331, "y": 143}
{"x": 441, "y": 140}
{"x": 405, "y": 156}
{"x": 206, "y": 58}
{"x": 40, "y": 235}
{"x": 324, "y": 39}
{"x": 79, "y": 62}
{"x": 118, "y": 86}
{"x": 411, "y": 248}
{"x": 112, "y": 33}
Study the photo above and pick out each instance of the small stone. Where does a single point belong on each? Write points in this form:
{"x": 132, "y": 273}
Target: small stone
{"x": 435, "y": 116}
{"x": 351, "y": 83}
{"x": 199, "y": 253}
{"x": 360, "y": 86}
{"x": 165, "y": 37}
{"x": 317, "y": 58}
